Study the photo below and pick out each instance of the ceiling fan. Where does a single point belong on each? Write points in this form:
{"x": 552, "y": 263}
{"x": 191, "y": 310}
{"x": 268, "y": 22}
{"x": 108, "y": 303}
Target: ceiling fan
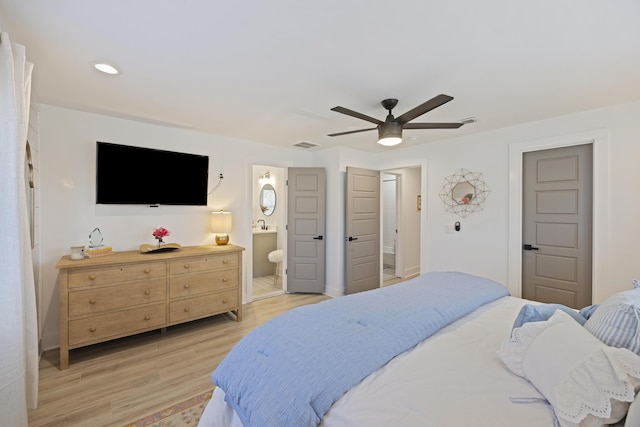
{"x": 390, "y": 131}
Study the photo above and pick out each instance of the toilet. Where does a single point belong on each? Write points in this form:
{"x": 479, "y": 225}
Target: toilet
{"x": 275, "y": 257}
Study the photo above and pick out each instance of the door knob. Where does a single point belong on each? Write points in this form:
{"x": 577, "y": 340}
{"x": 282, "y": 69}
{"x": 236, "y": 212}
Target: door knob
{"x": 318, "y": 238}
{"x": 528, "y": 247}
{"x": 351, "y": 239}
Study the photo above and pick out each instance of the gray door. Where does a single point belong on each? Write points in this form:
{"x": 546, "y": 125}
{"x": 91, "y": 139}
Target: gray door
{"x": 557, "y": 221}
{"x": 306, "y": 230}
{"x": 362, "y": 229}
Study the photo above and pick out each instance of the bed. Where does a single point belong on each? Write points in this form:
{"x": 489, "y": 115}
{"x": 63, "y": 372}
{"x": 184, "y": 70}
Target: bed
{"x": 470, "y": 367}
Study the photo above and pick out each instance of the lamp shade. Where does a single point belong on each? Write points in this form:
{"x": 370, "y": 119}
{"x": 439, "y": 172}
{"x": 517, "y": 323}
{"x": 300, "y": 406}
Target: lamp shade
{"x": 220, "y": 222}
{"x": 389, "y": 134}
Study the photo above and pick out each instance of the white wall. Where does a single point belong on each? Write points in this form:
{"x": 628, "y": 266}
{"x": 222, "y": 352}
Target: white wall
{"x": 68, "y": 209}
{"x": 409, "y": 221}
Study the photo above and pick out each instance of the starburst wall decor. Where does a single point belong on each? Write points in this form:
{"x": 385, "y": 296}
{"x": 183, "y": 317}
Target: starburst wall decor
{"x": 464, "y": 193}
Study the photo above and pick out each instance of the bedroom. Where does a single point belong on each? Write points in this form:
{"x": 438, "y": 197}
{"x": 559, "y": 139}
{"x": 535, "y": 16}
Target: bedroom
{"x": 64, "y": 138}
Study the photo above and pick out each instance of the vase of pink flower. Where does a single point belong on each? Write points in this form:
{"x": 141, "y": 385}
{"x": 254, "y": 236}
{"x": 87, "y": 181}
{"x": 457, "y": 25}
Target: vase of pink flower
{"x": 160, "y": 233}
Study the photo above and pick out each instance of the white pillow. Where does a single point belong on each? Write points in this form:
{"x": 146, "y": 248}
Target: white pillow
{"x": 617, "y": 321}
{"x": 586, "y": 382}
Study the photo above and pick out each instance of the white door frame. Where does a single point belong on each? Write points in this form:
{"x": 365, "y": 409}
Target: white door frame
{"x": 600, "y": 265}
{"x": 398, "y": 225}
{"x": 399, "y": 252}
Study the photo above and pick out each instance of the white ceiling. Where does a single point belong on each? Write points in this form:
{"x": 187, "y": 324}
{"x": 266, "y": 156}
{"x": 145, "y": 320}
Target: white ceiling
{"x": 269, "y": 71}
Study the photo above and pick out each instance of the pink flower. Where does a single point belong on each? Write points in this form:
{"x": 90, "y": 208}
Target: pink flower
{"x": 160, "y": 232}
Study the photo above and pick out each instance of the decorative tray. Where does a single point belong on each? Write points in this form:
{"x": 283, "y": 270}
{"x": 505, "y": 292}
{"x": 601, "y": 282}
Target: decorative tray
{"x": 167, "y": 247}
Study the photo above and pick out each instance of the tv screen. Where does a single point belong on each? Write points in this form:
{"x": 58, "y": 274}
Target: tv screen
{"x": 134, "y": 175}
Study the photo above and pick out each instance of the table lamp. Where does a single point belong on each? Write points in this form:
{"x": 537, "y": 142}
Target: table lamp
{"x": 221, "y": 225}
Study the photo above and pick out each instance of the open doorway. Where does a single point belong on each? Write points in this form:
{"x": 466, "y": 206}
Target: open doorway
{"x": 389, "y": 225}
{"x": 401, "y": 209}
{"x": 268, "y": 231}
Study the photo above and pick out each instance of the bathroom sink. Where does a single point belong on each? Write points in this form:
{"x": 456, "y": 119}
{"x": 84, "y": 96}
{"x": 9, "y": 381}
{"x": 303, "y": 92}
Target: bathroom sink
{"x": 270, "y": 229}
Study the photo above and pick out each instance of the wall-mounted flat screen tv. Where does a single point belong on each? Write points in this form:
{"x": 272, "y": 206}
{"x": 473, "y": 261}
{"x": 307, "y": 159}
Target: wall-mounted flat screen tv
{"x": 128, "y": 175}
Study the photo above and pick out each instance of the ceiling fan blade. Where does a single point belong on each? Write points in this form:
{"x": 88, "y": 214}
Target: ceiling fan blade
{"x": 351, "y": 131}
{"x": 434, "y": 102}
{"x": 432, "y": 125}
{"x": 356, "y": 114}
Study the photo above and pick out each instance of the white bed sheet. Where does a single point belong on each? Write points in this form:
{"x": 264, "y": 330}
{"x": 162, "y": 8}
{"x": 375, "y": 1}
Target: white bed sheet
{"x": 452, "y": 379}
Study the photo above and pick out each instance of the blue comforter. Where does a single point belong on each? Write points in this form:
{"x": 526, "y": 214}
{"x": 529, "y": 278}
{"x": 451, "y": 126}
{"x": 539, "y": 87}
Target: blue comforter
{"x": 290, "y": 370}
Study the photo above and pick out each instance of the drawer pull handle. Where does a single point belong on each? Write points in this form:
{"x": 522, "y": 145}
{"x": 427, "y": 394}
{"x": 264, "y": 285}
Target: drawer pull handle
{"x": 92, "y": 329}
{"x": 147, "y": 270}
{"x": 225, "y": 261}
{"x": 187, "y": 286}
{"x": 186, "y": 266}
{"x": 225, "y": 280}
{"x": 224, "y": 301}
{"x": 186, "y": 309}
{"x": 92, "y": 277}
{"x": 147, "y": 317}
{"x": 147, "y": 292}
{"x": 92, "y": 301}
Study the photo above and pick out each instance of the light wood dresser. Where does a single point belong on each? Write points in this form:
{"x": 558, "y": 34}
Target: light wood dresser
{"x": 126, "y": 293}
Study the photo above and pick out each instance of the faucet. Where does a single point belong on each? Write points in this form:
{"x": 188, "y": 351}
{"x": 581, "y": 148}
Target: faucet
{"x": 264, "y": 226}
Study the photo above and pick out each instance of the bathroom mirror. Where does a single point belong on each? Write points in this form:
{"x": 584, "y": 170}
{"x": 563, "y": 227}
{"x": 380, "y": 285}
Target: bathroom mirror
{"x": 268, "y": 199}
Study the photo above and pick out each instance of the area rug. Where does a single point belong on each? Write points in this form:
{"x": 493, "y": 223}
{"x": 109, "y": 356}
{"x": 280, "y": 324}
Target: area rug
{"x": 183, "y": 414}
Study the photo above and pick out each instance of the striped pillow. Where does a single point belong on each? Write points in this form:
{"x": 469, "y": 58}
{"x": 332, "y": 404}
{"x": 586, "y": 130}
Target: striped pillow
{"x": 617, "y": 321}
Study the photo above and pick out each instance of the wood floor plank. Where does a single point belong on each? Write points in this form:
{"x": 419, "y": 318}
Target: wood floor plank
{"x": 116, "y": 382}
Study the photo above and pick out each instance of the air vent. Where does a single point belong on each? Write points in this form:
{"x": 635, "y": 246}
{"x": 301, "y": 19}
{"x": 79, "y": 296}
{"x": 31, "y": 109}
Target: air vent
{"x": 304, "y": 144}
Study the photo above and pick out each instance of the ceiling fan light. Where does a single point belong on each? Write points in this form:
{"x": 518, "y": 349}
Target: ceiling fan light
{"x": 390, "y": 134}
{"x": 389, "y": 141}
{"x": 106, "y": 68}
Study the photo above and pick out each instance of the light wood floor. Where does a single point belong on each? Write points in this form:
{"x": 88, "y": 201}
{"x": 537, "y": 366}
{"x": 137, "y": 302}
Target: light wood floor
{"x": 266, "y": 287}
{"x": 113, "y": 383}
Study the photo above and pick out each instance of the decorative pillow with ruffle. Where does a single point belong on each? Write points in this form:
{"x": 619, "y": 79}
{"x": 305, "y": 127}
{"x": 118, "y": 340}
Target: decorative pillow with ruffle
{"x": 587, "y": 382}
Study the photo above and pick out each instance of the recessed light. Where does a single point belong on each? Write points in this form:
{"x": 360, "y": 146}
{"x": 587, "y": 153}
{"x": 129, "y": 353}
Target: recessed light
{"x": 105, "y": 68}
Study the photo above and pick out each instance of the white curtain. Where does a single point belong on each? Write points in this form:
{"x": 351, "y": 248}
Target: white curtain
{"x": 18, "y": 320}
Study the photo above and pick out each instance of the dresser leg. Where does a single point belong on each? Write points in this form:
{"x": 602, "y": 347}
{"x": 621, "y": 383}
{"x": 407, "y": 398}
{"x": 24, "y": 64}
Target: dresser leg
{"x": 64, "y": 358}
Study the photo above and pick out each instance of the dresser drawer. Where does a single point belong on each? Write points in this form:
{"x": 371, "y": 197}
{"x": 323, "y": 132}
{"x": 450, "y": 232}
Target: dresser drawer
{"x": 111, "y": 325}
{"x": 193, "y": 284}
{"x": 116, "y": 274}
{"x": 203, "y": 263}
{"x": 201, "y": 306}
{"x": 105, "y": 298}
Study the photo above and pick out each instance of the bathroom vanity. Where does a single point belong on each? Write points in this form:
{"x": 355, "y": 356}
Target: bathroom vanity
{"x": 264, "y": 241}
